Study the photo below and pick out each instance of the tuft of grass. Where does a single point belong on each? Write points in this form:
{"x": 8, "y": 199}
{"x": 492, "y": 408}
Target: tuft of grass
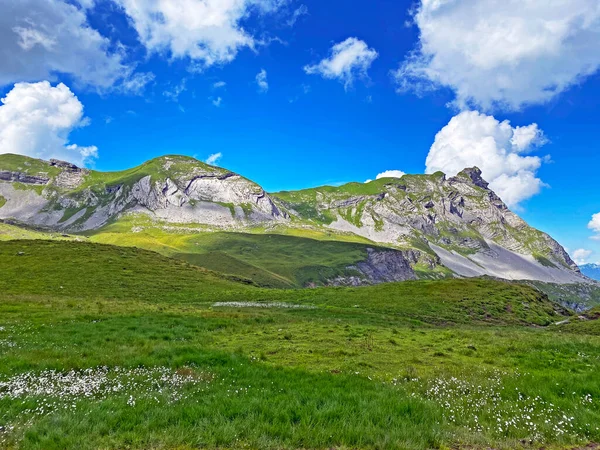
{"x": 544, "y": 261}
{"x": 38, "y": 188}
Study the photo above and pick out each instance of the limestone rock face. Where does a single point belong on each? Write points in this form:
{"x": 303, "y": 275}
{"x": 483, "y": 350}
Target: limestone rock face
{"x": 386, "y": 266}
{"x": 70, "y": 176}
{"x": 19, "y": 177}
{"x": 173, "y": 189}
{"x": 381, "y": 266}
{"x": 459, "y": 219}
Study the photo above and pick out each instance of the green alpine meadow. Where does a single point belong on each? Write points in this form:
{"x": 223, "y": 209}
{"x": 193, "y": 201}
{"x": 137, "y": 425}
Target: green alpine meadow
{"x": 178, "y": 305}
{"x": 299, "y": 225}
{"x": 113, "y": 347}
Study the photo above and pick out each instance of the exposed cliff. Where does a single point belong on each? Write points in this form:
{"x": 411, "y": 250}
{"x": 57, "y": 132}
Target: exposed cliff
{"x": 459, "y": 219}
{"x": 173, "y": 188}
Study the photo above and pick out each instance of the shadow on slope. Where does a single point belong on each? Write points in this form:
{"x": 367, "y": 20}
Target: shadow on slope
{"x": 76, "y": 270}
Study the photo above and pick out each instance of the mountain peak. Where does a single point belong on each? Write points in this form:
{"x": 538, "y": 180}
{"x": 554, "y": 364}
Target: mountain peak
{"x": 474, "y": 174}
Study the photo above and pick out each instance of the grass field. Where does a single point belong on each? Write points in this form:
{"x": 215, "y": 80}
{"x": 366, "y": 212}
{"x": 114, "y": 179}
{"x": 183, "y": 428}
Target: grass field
{"x": 271, "y": 260}
{"x": 108, "y": 347}
{"x": 10, "y": 232}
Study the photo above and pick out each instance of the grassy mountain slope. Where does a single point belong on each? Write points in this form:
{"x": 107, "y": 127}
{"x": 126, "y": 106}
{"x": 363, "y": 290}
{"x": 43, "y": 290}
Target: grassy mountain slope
{"x": 444, "y": 224}
{"x": 272, "y": 260}
{"x": 81, "y": 269}
{"x": 294, "y": 259}
{"x": 29, "y": 166}
{"x": 413, "y": 365}
{"x": 95, "y": 270}
{"x": 9, "y": 232}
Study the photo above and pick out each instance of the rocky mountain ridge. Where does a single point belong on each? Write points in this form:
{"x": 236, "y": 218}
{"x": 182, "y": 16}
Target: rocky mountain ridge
{"x": 459, "y": 219}
{"x": 176, "y": 189}
{"x": 456, "y": 222}
{"x": 591, "y": 270}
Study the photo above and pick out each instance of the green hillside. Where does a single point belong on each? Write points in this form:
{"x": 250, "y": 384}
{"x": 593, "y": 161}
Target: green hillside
{"x": 84, "y": 270}
{"x": 155, "y": 168}
{"x": 9, "y": 232}
{"x": 151, "y": 352}
{"x": 270, "y": 259}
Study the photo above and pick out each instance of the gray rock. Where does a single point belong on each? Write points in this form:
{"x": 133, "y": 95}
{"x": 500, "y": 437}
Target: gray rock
{"x": 23, "y": 178}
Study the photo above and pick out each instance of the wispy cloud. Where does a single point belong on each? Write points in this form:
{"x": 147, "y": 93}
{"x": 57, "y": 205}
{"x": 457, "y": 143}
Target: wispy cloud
{"x": 305, "y": 89}
{"x": 214, "y": 158}
{"x": 136, "y": 83}
{"x": 261, "y": 81}
{"x": 302, "y": 10}
{"x": 174, "y": 93}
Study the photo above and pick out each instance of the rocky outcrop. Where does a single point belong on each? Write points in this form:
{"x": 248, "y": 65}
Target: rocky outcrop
{"x": 24, "y": 178}
{"x": 70, "y": 177}
{"x": 474, "y": 173}
{"x": 177, "y": 190}
{"x": 381, "y": 266}
{"x": 384, "y": 266}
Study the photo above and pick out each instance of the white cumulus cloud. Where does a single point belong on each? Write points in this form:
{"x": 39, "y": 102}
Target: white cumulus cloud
{"x": 594, "y": 225}
{"x": 36, "y": 120}
{"x": 40, "y": 38}
{"x": 503, "y": 53}
{"x": 348, "y": 60}
{"x": 207, "y": 31}
{"x": 261, "y": 81}
{"x": 214, "y": 158}
{"x": 581, "y": 255}
{"x": 390, "y": 174}
{"x": 497, "y": 148}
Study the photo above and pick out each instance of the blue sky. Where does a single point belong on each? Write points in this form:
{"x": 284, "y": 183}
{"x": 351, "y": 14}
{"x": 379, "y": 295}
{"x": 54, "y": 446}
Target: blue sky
{"x": 138, "y": 87}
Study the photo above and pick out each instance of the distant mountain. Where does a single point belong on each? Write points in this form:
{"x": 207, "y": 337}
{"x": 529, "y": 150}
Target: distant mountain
{"x": 591, "y": 271}
{"x": 456, "y": 224}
